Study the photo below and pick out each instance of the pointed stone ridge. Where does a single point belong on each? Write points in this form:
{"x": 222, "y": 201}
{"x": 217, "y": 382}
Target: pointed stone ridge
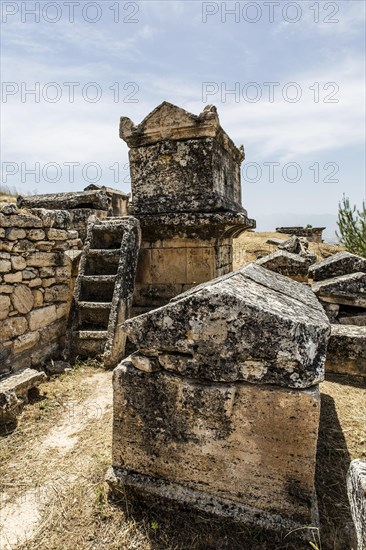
{"x": 342, "y": 263}
{"x": 251, "y": 325}
{"x": 286, "y": 263}
{"x": 169, "y": 122}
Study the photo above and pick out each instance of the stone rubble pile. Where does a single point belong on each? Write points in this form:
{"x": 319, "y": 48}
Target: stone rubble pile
{"x": 340, "y": 285}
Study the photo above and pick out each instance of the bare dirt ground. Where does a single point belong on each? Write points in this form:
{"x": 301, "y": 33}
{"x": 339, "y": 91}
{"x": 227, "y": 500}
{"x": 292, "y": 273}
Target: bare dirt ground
{"x": 53, "y": 495}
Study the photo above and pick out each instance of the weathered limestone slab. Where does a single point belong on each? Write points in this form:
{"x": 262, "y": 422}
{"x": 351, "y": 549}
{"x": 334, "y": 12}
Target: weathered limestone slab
{"x": 14, "y": 391}
{"x": 342, "y": 263}
{"x": 356, "y": 487}
{"x": 66, "y": 201}
{"x": 286, "y": 263}
{"x": 227, "y": 320}
{"x": 349, "y": 290}
{"x": 346, "y": 353}
{"x": 187, "y": 424}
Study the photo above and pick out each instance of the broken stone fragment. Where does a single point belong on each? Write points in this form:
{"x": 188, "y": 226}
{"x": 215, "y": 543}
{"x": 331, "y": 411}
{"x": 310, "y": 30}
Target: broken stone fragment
{"x": 14, "y": 392}
{"x": 356, "y": 488}
{"x": 342, "y": 263}
{"x": 286, "y": 263}
{"x": 346, "y": 353}
{"x": 262, "y": 326}
{"x": 348, "y": 290}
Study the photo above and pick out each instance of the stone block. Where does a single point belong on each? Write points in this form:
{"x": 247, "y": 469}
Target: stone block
{"x": 30, "y": 273}
{"x": 48, "y": 282}
{"x": 24, "y": 246}
{"x": 57, "y": 234}
{"x": 14, "y": 392}
{"x": 14, "y": 234}
{"x": 6, "y": 246}
{"x": 22, "y": 299}
{"x": 6, "y": 289}
{"x": 47, "y": 271}
{"x": 356, "y": 488}
{"x": 5, "y": 266}
{"x": 38, "y": 298}
{"x": 348, "y": 290}
{"x": 358, "y": 319}
{"x": 247, "y": 448}
{"x": 5, "y": 306}
{"x": 16, "y": 277}
{"x": 12, "y": 327}
{"x": 35, "y": 283}
{"x": 36, "y": 235}
{"x": 20, "y": 219}
{"x": 42, "y": 317}
{"x": 44, "y": 259}
{"x": 18, "y": 263}
{"x": 342, "y": 263}
{"x": 26, "y": 341}
{"x": 57, "y": 293}
{"x": 346, "y": 353}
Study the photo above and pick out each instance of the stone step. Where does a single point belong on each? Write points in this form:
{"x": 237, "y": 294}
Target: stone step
{"x": 89, "y": 343}
{"x": 93, "y": 315}
{"x": 102, "y": 262}
{"x": 107, "y": 240}
{"x": 14, "y": 391}
{"x": 97, "y": 288}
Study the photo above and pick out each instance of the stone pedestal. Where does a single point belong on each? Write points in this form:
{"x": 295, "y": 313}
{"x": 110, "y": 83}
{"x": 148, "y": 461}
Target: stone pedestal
{"x": 219, "y": 408}
{"x": 186, "y": 193}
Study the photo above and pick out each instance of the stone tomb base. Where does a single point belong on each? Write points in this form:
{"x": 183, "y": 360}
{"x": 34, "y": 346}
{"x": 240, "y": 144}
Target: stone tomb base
{"x": 237, "y": 450}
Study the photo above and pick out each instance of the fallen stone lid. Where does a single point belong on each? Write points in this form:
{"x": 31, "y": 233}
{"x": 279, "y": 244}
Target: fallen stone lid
{"x": 170, "y": 122}
{"x": 250, "y": 325}
{"x": 342, "y": 263}
{"x": 349, "y": 290}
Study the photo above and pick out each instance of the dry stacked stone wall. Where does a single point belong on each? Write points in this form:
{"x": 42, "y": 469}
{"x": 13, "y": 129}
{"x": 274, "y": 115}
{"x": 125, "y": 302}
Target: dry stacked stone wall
{"x": 38, "y": 261}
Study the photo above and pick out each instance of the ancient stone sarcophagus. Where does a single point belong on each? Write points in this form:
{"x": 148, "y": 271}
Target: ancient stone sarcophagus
{"x": 186, "y": 193}
{"x": 219, "y": 408}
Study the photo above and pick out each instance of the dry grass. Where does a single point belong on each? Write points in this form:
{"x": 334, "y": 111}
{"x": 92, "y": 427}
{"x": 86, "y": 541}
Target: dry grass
{"x": 76, "y": 511}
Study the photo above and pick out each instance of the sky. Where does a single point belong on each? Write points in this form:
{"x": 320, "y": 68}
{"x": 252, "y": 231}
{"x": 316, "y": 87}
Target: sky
{"x": 287, "y": 78}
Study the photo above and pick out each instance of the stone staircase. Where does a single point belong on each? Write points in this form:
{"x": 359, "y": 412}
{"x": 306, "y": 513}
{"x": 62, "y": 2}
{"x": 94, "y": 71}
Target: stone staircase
{"x": 104, "y": 290}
